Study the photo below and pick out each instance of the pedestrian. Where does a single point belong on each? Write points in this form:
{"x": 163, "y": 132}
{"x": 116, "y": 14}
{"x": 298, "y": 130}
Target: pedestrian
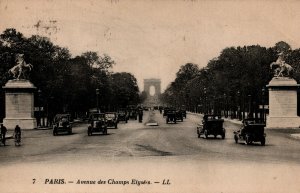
{"x": 140, "y": 115}
{"x": 3, "y": 133}
{"x": 18, "y": 130}
{"x": 17, "y": 135}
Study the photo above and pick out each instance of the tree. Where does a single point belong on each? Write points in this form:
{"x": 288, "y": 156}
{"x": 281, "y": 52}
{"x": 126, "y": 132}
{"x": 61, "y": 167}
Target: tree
{"x": 94, "y": 61}
{"x": 125, "y": 90}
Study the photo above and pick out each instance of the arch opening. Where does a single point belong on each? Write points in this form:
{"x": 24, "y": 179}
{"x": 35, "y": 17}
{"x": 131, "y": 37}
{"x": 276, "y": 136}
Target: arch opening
{"x": 152, "y": 90}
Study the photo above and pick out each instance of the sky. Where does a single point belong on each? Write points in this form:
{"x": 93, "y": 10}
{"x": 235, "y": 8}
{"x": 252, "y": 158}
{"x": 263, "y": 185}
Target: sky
{"x": 153, "y": 38}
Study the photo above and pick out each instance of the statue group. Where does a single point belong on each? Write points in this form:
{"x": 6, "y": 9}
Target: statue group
{"x": 21, "y": 69}
{"x": 282, "y": 69}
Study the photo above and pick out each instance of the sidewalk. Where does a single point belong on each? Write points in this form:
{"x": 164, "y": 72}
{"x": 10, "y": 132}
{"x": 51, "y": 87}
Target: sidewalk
{"x": 236, "y": 121}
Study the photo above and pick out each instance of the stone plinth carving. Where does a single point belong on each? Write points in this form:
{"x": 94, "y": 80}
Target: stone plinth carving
{"x": 19, "y": 104}
{"x": 283, "y": 103}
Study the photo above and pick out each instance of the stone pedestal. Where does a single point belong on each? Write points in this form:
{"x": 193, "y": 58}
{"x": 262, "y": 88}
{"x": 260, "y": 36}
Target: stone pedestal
{"x": 283, "y": 103}
{"x": 19, "y": 104}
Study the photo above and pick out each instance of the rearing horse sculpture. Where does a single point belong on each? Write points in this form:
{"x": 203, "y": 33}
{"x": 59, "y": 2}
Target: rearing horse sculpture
{"x": 282, "y": 69}
{"x": 21, "y": 68}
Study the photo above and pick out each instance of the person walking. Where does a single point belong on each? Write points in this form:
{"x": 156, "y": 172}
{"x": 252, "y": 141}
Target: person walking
{"x": 3, "y": 133}
{"x": 17, "y": 135}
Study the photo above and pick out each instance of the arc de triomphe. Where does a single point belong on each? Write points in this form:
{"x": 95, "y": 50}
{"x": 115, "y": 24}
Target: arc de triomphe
{"x": 152, "y": 100}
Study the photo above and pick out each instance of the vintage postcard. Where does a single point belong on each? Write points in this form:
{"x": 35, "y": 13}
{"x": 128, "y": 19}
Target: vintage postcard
{"x": 149, "y": 96}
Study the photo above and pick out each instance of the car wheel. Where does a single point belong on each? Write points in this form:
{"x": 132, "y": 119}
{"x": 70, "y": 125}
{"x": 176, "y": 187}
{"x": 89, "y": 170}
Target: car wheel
{"x": 70, "y": 132}
{"x": 248, "y": 142}
{"x": 223, "y": 134}
{"x": 105, "y": 132}
{"x": 206, "y": 134}
{"x": 263, "y": 141}
{"x": 215, "y": 136}
{"x": 236, "y": 139}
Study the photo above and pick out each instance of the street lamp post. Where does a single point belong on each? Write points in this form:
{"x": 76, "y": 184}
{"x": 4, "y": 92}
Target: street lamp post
{"x": 97, "y": 99}
{"x": 250, "y": 111}
{"x": 263, "y": 104}
{"x": 225, "y": 104}
{"x": 39, "y": 107}
{"x": 244, "y": 108}
{"x": 239, "y": 105}
{"x": 205, "y": 105}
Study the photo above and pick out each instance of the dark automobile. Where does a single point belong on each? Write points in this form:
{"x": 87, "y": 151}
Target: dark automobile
{"x": 171, "y": 116}
{"x": 183, "y": 112}
{"x": 166, "y": 109}
{"x": 251, "y": 131}
{"x": 211, "y": 125}
{"x": 111, "y": 119}
{"x": 132, "y": 113}
{"x": 179, "y": 115}
{"x": 98, "y": 124}
{"x": 62, "y": 123}
{"x": 123, "y": 116}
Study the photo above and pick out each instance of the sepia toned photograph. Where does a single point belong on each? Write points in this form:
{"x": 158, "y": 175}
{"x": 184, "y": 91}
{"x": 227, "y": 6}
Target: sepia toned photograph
{"x": 149, "y": 96}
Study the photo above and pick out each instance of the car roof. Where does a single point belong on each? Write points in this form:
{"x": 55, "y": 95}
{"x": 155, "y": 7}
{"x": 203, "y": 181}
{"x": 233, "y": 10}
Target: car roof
{"x": 97, "y": 113}
{"x": 62, "y": 115}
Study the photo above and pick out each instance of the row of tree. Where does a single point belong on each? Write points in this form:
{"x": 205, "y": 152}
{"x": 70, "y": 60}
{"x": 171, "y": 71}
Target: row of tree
{"x": 66, "y": 83}
{"x": 233, "y": 83}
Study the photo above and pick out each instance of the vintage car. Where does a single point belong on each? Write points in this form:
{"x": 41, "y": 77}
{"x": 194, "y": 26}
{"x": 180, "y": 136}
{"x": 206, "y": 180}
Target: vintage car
{"x": 166, "y": 109}
{"x": 111, "y": 119}
{"x": 123, "y": 115}
{"x": 98, "y": 124}
{"x": 251, "y": 131}
{"x": 132, "y": 113}
{"x": 183, "y": 112}
{"x": 179, "y": 115}
{"x": 171, "y": 116}
{"x": 211, "y": 125}
{"x": 62, "y": 123}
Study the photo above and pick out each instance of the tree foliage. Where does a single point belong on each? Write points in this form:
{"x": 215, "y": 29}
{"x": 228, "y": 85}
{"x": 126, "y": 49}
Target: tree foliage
{"x": 235, "y": 75}
{"x": 67, "y": 83}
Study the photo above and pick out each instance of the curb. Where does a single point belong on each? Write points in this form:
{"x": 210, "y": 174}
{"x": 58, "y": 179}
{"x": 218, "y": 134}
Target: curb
{"x": 43, "y": 128}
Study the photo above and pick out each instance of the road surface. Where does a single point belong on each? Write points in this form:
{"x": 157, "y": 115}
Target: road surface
{"x": 170, "y": 157}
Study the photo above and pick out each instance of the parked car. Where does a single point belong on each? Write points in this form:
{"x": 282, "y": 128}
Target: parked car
{"x": 211, "y": 125}
{"x": 183, "y": 112}
{"x": 166, "y": 109}
{"x": 123, "y": 115}
{"x": 62, "y": 123}
{"x": 98, "y": 124}
{"x": 111, "y": 119}
{"x": 251, "y": 131}
{"x": 171, "y": 116}
{"x": 179, "y": 115}
{"x": 132, "y": 113}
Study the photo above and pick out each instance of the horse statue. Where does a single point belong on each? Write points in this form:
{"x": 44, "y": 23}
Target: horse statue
{"x": 282, "y": 69}
{"x": 21, "y": 69}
